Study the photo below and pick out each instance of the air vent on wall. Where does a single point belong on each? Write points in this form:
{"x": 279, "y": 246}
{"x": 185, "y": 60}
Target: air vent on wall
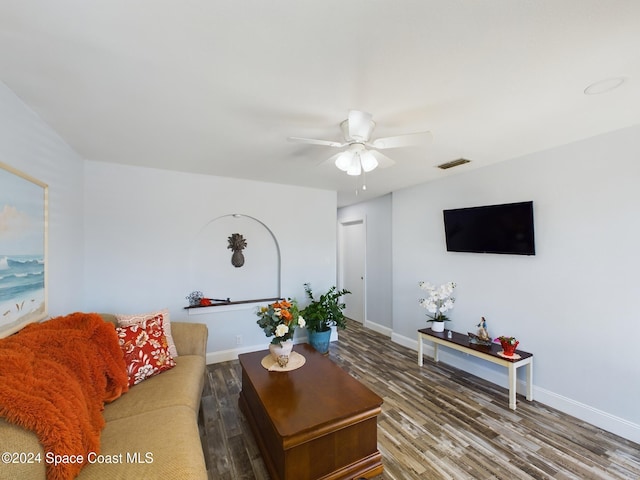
{"x": 453, "y": 163}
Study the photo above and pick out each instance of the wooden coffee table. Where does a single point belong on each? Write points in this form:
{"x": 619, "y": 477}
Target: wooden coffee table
{"x": 316, "y": 422}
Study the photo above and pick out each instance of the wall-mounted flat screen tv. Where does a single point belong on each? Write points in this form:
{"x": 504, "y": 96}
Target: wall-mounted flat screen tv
{"x": 506, "y": 228}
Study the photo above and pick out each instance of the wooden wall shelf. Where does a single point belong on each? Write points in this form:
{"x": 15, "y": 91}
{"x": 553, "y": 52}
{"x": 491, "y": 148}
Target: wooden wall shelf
{"x": 224, "y": 306}
{"x": 219, "y": 303}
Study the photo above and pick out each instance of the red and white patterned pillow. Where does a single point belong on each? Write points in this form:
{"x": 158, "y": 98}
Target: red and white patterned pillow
{"x": 126, "y": 320}
{"x": 145, "y": 349}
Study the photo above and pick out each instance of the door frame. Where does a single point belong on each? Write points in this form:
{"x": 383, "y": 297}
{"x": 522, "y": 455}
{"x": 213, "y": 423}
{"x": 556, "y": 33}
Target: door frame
{"x": 342, "y": 224}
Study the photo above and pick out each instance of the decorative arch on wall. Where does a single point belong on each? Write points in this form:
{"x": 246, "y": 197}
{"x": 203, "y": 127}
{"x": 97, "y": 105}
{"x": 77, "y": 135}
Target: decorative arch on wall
{"x": 212, "y": 272}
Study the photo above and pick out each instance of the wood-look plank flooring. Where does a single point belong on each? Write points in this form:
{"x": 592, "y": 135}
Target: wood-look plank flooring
{"x": 437, "y": 422}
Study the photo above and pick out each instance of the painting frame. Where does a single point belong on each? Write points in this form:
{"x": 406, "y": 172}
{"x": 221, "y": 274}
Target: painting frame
{"x": 24, "y": 222}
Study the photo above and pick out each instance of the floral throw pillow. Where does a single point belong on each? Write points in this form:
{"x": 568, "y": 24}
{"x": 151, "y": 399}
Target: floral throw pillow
{"x": 145, "y": 349}
{"x": 126, "y": 320}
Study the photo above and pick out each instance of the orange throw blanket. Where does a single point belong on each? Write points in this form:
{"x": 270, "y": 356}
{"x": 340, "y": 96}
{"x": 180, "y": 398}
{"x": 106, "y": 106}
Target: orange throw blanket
{"x": 54, "y": 379}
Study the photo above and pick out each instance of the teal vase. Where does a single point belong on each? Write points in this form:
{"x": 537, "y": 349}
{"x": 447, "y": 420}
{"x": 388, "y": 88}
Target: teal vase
{"x": 320, "y": 341}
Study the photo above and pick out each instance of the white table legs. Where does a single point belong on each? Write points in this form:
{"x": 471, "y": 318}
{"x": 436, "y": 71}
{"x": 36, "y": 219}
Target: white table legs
{"x": 512, "y": 367}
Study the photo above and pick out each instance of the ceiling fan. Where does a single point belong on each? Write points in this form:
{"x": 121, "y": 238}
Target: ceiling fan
{"x": 361, "y": 154}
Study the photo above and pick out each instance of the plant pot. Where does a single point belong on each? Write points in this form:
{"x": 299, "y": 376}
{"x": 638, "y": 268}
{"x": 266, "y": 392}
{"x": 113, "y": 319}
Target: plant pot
{"x": 320, "y": 340}
{"x": 509, "y": 349}
{"x": 281, "y": 351}
{"x": 437, "y": 326}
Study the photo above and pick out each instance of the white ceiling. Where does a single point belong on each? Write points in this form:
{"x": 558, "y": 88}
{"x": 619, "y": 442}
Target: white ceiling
{"x": 217, "y": 86}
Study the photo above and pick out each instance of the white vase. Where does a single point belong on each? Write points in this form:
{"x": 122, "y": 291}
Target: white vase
{"x": 437, "y": 326}
{"x": 281, "y": 351}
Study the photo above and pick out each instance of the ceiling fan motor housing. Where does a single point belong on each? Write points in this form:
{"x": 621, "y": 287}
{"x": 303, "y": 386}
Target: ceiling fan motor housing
{"x": 358, "y": 132}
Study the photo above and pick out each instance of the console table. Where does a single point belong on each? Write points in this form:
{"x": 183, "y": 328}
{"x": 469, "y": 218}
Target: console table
{"x": 460, "y": 342}
{"x": 316, "y": 422}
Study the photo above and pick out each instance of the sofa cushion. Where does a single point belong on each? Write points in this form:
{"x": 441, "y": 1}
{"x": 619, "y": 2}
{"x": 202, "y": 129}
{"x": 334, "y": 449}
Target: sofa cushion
{"x": 145, "y": 349}
{"x": 19, "y": 440}
{"x": 148, "y": 452}
{"x": 180, "y": 386}
{"x": 126, "y": 320}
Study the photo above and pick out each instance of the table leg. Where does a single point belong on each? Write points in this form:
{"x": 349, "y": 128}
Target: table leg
{"x": 512, "y": 386}
{"x": 435, "y": 352}
{"x": 420, "y": 353}
{"x": 530, "y": 380}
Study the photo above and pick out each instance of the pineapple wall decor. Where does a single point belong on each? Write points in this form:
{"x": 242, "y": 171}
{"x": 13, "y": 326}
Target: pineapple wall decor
{"x": 237, "y": 243}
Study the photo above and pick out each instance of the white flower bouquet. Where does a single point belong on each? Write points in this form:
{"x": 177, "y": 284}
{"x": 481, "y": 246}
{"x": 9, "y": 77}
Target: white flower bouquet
{"x": 439, "y": 301}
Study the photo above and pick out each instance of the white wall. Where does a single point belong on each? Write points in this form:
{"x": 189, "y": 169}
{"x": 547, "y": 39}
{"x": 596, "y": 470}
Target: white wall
{"x": 377, "y": 216}
{"x": 574, "y": 304}
{"x": 142, "y": 225}
{"x": 31, "y": 146}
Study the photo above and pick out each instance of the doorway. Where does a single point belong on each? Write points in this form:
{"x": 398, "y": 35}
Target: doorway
{"x": 352, "y": 267}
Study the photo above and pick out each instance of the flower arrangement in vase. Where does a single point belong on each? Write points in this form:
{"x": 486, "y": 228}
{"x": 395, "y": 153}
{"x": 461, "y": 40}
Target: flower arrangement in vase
{"x": 439, "y": 301}
{"x": 279, "y": 320}
{"x": 509, "y": 345}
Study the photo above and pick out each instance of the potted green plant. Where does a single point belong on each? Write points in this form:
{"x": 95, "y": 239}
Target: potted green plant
{"x": 322, "y": 314}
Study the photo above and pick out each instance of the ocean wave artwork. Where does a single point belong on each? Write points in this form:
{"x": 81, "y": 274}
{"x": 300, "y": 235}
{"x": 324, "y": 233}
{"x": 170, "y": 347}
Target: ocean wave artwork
{"x": 23, "y": 224}
{"x": 20, "y": 276}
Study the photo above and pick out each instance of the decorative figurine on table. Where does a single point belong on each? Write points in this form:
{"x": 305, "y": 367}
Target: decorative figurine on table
{"x": 482, "y": 336}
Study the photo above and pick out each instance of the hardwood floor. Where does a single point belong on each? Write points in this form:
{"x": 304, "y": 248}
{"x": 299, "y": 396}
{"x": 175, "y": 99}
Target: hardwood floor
{"x": 437, "y": 422}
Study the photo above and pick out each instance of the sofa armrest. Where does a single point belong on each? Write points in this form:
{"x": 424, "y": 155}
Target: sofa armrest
{"x": 190, "y": 338}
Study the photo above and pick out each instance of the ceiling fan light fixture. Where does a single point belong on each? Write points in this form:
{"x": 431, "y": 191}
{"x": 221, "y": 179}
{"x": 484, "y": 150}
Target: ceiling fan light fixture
{"x": 344, "y": 161}
{"x": 355, "y": 168}
{"x": 368, "y": 161}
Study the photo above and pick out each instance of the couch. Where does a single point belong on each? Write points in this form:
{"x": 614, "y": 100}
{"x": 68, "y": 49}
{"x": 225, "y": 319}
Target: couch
{"x": 151, "y": 431}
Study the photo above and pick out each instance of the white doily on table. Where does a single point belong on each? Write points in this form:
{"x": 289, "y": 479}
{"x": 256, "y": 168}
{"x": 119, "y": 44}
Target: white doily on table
{"x": 295, "y": 361}
{"x": 515, "y": 356}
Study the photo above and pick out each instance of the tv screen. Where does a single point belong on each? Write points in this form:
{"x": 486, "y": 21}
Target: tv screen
{"x": 506, "y": 228}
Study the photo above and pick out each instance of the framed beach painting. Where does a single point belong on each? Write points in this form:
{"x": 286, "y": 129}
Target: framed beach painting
{"x": 23, "y": 250}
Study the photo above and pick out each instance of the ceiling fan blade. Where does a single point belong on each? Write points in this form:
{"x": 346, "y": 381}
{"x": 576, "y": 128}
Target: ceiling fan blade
{"x": 313, "y": 141}
{"x": 383, "y": 160}
{"x": 418, "y": 138}
{"x": 360, "y": 125}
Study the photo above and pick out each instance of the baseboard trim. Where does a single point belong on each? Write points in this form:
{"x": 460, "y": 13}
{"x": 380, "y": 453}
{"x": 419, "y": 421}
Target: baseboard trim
{"x": 407, "y": 342}
{"x": 587, "y": 413}
{"x": 231, "y": 354}
{"x": 376, "y": 327}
